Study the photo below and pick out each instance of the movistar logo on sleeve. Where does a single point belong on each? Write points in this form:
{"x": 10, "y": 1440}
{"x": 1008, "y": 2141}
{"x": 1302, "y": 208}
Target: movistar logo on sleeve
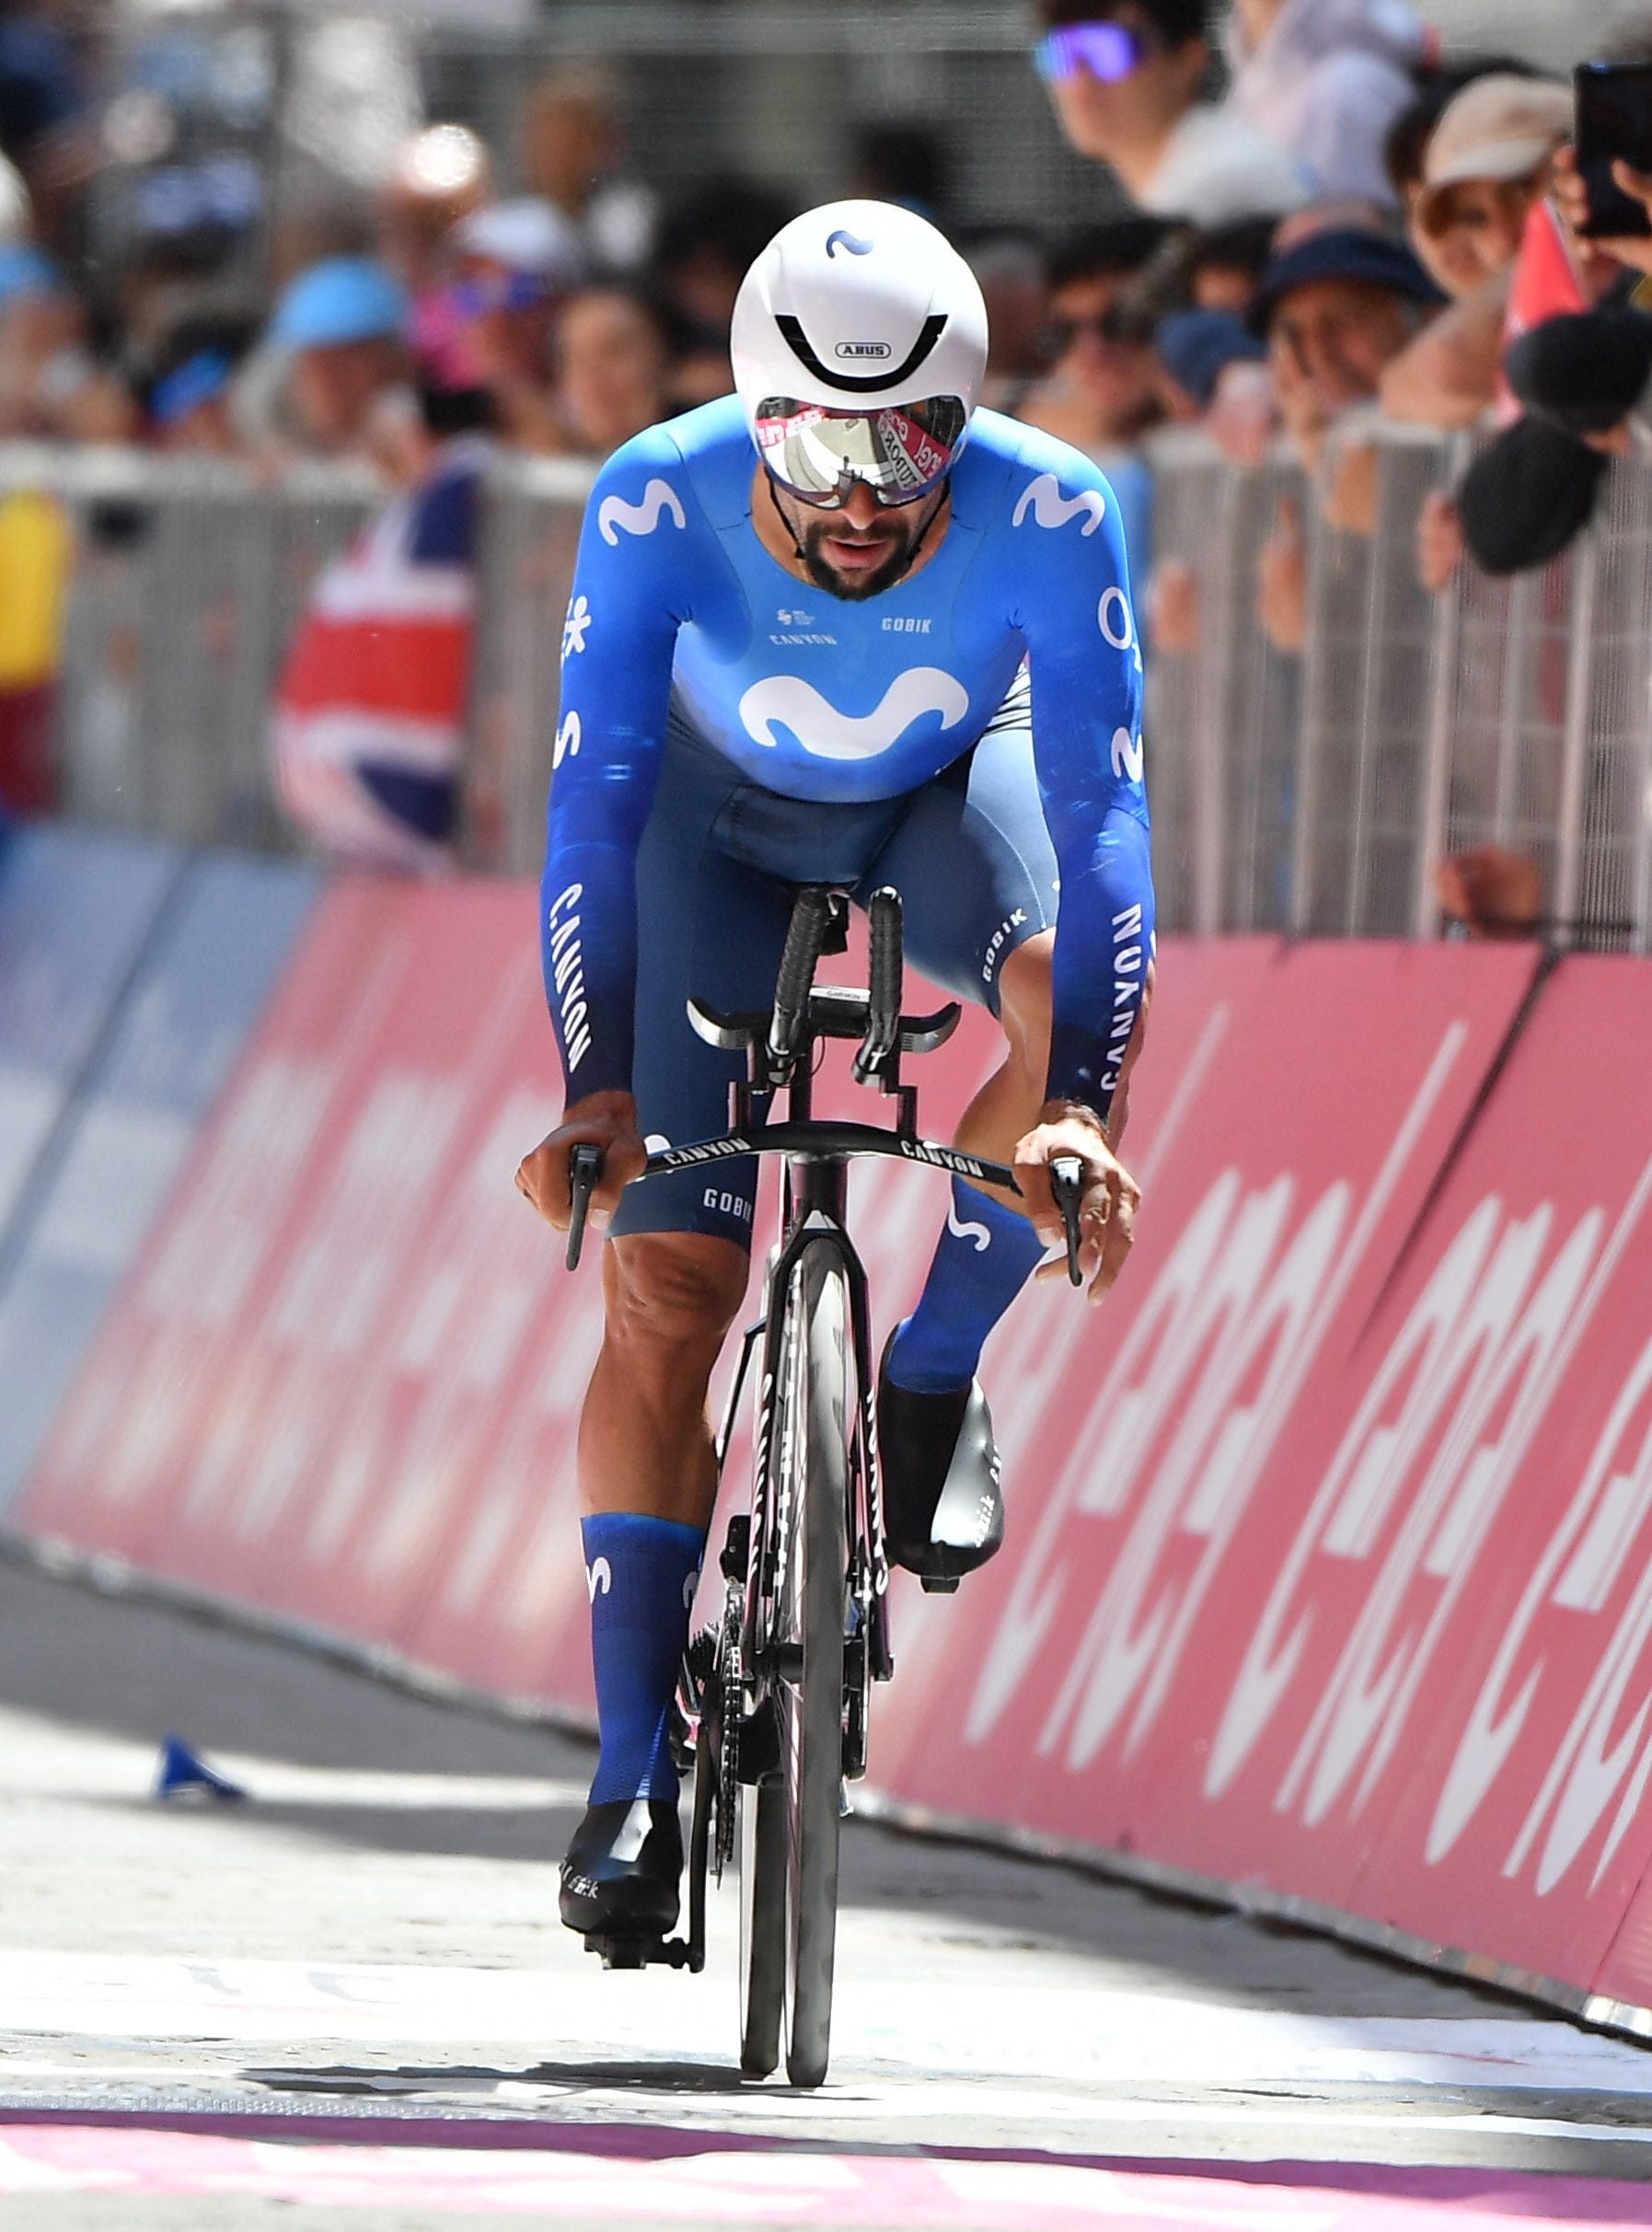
{"x": 847, "y": 240}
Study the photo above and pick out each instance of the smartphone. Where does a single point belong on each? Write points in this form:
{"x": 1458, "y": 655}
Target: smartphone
{"x": 1614, "y": 124}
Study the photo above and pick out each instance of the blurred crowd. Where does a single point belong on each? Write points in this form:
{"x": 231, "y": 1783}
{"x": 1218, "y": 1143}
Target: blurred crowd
{"x": 1336, "y": 223}
{"x": 1310, "y": 217}
{"x": 561, "y": 318}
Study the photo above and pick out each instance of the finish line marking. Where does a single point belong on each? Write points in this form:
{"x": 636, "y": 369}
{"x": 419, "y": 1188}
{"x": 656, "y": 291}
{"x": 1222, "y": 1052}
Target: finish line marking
{"x": 163, "y": 2097}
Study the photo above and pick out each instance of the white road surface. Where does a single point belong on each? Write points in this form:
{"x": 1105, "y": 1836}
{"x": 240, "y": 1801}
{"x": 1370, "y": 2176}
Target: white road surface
{"x": 348, "y": 2001}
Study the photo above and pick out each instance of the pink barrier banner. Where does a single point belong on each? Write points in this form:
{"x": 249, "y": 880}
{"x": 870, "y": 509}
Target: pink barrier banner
{"x": 293, "y": 1401}
{"x": 1146, "y": 1450}
{"x": 1474, "y": 1711}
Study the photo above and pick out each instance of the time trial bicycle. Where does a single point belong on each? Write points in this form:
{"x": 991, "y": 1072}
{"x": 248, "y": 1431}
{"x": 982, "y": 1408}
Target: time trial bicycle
{"x": 773, "y": 1702}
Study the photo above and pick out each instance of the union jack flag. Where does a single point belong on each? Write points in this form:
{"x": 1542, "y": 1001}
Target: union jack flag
{"x": 369, "y": 725}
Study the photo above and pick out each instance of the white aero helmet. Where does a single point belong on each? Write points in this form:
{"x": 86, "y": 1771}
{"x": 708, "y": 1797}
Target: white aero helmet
{"x": 859, "y": 346}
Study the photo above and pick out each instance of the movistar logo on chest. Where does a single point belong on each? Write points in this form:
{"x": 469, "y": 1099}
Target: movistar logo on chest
{"x": 786, "y": 706}
{"x": 861, "y": 352}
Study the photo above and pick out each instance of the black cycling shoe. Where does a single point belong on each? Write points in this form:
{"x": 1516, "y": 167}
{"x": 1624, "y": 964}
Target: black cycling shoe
{"x": 943, "y": 1513}
{"x": 619, "y": 1879}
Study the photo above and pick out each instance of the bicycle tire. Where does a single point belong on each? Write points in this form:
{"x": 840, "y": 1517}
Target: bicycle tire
{"x": 762, "y": 1927}
{"x": 811, "y": 1612}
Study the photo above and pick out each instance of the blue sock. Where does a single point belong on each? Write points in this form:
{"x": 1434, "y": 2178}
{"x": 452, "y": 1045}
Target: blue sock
{"x": 985, "y": 1257}
{"x": 640, "y": 1572}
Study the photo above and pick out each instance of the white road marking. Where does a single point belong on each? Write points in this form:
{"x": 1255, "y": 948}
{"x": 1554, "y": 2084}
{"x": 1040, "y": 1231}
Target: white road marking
{"x": 175, "y": 2088}
{"x": 1077, "y": 2036}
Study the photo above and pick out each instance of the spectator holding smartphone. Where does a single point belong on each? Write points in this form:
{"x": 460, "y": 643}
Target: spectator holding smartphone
{"x": 1487, "y": 166}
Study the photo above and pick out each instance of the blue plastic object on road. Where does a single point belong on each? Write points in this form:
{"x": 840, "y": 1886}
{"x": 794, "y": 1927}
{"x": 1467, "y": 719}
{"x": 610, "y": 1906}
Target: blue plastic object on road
{"x": 184, "y": 1774}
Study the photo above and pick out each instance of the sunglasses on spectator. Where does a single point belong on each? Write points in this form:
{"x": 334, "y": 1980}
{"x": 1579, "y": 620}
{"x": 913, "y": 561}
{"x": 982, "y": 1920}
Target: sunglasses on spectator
{"x": 1103, "y": 50}
{"x": 1115, "y": 324}
{"x": 479, "y": 294}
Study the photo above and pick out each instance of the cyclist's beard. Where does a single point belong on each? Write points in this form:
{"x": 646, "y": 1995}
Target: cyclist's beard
{"x": 903, "y": 536}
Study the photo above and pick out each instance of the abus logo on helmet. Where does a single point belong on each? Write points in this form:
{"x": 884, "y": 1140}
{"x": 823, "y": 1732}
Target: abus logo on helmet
{"x": 859, "y": 352}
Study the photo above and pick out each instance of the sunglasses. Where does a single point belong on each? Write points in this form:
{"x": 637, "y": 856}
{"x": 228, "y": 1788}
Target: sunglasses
{"x": 1120, "y": 324}
{"x": 820, "y": 456}
{"x": 480, "y": 293}
{"x": 1103, "y": 50}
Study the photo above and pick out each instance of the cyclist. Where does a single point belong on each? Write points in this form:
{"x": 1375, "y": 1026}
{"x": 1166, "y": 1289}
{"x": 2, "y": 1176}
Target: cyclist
{"x": 893, "y": 643}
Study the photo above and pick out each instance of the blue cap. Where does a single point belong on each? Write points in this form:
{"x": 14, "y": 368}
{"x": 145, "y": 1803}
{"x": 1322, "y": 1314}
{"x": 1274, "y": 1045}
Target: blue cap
{"x": 1197, "y": 346}
{"x": 346, "y": 298}
{"x": 199, "y": 379}
{"x": 26, "y": 271}
{"x": 1343, "y": 253}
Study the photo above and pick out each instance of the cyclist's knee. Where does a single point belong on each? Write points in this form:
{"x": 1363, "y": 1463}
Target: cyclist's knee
{"x": 674, "y": 1292}
{"x": 1026, "y": 1000}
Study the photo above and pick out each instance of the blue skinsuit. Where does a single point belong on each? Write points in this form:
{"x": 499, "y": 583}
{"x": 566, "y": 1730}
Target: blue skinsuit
{"x": 728, "y": 730}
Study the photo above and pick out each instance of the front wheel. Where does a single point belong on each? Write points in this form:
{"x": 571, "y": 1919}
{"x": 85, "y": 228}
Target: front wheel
{"x": 814, "y": 1430}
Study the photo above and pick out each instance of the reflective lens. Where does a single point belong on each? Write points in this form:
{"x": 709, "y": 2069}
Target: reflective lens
{"x": 820, "y": 455}
{"x": 1104, "y": 51}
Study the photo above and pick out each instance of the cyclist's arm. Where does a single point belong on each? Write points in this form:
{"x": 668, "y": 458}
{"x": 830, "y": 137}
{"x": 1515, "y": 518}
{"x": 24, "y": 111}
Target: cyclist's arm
{"x": 631, "y": 596}
{"x": 1078, "y": 621}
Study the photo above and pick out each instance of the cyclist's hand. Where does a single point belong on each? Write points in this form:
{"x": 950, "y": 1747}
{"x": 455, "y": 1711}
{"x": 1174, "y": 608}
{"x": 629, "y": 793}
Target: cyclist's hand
{"x": 1111, "y": 1198}
{"x": 607, "y": 1120}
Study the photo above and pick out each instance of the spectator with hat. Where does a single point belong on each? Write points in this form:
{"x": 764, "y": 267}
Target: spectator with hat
{"x": 52, "y": 386}
{"x": 372, "y": 703}
{"x": 1485, "y": 170}
{"x": 189, "y": 386}
{"x": 1195, "y": 347}
{"x": 342, "y": 328}
{"x": 1335, "y": 308}
{"x": 514, "y": 265}
{"x": 1486, "y": 162}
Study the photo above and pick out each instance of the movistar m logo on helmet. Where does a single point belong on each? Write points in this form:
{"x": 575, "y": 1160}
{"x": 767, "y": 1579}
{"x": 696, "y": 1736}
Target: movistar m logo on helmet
{"x": 859, "y": 352}
{"x": 847, "y": 240}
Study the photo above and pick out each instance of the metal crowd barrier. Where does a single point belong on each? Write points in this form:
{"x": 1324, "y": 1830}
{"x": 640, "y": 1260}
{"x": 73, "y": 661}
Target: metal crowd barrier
{"x": 1316, "y": 791}
{"x": 188, "y": 579}
{"x": 1307, "y": 790}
